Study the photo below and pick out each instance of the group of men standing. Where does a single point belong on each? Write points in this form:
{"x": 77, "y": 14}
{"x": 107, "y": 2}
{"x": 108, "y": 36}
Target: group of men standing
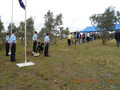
{"x": 76, "y": 38}
{"x": 46, "y": 43}
{"x": 11, "y": 43}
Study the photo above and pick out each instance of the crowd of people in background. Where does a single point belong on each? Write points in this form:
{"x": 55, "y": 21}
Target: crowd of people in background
{"x": 74, "y": 38}
{"x": 77, "y": 38}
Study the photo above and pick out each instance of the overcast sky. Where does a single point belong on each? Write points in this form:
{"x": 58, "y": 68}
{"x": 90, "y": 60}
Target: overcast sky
{"x": 76, "y": 13}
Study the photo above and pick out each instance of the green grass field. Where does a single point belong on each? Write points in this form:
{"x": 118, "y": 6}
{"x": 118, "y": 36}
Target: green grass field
{"x": 89, "y": 66}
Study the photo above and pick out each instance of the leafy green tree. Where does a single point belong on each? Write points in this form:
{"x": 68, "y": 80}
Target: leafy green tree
{"x": 2, "y": 35}
{"x": 65, "y": 31}
{"x": 118, "y": 16}
{"x": 30, "y": 27}
{"x": 1, "y": 28}
{"x": 53, "y": 25}
{"x": 42, "y": 32}
{"x": 9, "y": 27}
{"x": 57, "y": 24}
{"x": 49, "y": 22}
{"x": 105, "y": 22}
{"x": 21, "y": 31}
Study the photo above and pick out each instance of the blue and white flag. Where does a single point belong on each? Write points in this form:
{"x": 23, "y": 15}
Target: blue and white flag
{"x": 22, "y": 4}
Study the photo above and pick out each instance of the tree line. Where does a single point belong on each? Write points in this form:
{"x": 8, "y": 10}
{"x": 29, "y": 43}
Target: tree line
{"x": 106, "y": 22}
{"x": 52, "y": 25}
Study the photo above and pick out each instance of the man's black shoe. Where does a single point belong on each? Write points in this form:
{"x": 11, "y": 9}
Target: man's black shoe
{"x": 7, "y": 55}
{"x": 48, "y": 56}
{"x": 14, "y": 61}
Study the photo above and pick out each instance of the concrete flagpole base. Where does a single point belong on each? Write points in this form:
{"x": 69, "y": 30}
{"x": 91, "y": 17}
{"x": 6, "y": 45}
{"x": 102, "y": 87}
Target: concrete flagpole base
{"x": 25, "y": 64}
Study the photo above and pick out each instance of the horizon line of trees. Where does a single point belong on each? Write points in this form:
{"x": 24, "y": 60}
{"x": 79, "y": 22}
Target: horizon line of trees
{"x": 105, "y": 23}
{"x": 52, "y": 25}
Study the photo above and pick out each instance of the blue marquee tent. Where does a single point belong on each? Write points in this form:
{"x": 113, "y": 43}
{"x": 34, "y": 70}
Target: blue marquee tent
{"x": 89, "y": 29}
{"x": 94, "y": 29}
{"x": 117, "y": 27}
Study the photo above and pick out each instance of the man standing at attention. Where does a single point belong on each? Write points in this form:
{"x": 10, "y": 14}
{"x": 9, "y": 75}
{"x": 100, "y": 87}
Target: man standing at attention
{"x": 13, "y": 46}
{"x": 46, "y": 43}
{"x": 34, "y": 42}
{"x": 7, "y": 44}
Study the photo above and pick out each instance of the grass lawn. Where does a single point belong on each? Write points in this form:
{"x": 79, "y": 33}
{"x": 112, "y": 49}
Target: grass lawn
{"x": 89, "y": 66}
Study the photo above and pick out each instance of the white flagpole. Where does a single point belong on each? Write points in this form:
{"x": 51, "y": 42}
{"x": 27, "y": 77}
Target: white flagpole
{"x": 11, "y": 20}
{"x": 12, "y": 17}
{"x": 26, "y": 63}
{"x": 25, "y": 30}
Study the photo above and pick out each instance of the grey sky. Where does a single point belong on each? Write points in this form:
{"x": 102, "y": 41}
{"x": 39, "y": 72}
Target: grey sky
{"x": 76, "y": 13}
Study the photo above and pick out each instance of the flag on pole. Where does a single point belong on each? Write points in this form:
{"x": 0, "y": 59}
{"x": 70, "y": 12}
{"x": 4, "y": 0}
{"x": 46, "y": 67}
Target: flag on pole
{"x": 22, "y": 4}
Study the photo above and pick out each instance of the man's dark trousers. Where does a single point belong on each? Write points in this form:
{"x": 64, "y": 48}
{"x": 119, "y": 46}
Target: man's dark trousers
{"x": 13, "y": 50}
{"x": 118, "y": 42}
{"x": 34, "y": 46}
{"x": 69, "y": 42}
{"x": 87, "y": 39}
{"x": 46, "y": 50}
{"x": 7, "y": 48}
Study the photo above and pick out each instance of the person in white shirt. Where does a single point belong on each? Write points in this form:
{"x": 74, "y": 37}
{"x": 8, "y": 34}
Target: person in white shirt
{"x": 88, "y": 37}
{"x": 13, "y": 46}
{"x": 46, "y": 43}
{"x": 34, "y": 42}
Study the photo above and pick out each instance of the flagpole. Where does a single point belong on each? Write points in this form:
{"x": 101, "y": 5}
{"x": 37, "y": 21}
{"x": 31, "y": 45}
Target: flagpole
{"x": 25, "y": 30}
{"x": 12, "y": 17}
{"x": 26, "y": 63}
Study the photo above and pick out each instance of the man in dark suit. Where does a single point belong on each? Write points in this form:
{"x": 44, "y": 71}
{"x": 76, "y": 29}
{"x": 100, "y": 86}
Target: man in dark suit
{"x": 76, "y": 37}
{"x": 117, "y": 38}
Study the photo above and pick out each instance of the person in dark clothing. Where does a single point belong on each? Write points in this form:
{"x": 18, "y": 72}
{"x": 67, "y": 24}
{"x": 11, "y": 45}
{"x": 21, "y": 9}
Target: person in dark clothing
{"x": 83, "y": 37}
{"x": 80, "y": 38}
{"x": 117, "y": 38}
{"x": 76, "y": 37}
{"x": 40, "y": 47}
{"x": 69, "y": 39}
{"x": 7, "y": 44}
{"x": 91, "y": 36}
{"x": 13, "y": 46}
{"x": 34, "y": 42}
{"x": 46, "y": 43}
